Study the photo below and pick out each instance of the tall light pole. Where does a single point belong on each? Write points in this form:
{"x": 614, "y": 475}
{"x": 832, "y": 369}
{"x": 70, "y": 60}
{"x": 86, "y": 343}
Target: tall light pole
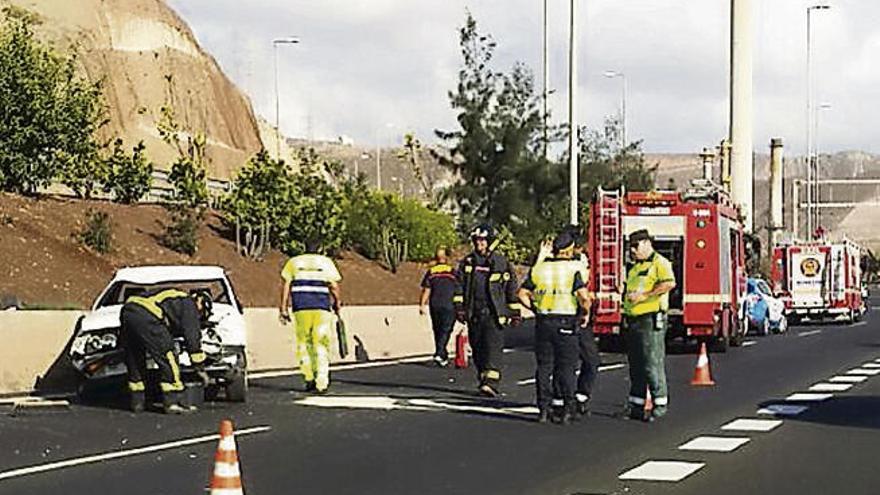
{"x": 546, "y": 68}
{"x": 572, "y": 116}
{"x": 622, "y": 76}
{"x": 809, "y": 156}
{"x": 818, "y": 195}
{"x": 741, "y": 110}
{"x": 290, "y": 40}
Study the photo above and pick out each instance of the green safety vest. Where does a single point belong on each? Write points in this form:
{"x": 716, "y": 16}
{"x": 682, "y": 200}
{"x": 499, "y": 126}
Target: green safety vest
{"x": 642, "y": 277}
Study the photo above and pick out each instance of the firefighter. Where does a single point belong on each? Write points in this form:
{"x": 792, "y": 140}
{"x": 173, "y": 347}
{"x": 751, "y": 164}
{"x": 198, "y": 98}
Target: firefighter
{"x": 556, "y": 291}
{"x": 438, "y": 289}
{"x": 486, "y": 301}
{"x": 310, "y": 287}
{"x": 648, "y": 283}
{"x": 149, "y": 324}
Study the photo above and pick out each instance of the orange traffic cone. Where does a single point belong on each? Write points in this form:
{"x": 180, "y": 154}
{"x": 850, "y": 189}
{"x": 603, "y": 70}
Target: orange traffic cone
{"x": 227, "y": 476}
{"x": 702, "y": 375}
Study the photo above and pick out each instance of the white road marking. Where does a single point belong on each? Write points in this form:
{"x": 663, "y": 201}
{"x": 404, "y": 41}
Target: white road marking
{"x": 863, "y": 371}
{"x": 749, "y": 343}
{"x": 388, "y": 404}
{"x": 662, "y": 471}
{"x": 752, "y": 425}
{"x": 830, "y": 387}
{"x": 847, "y": 379}
{"x": 870, "y": 365}
{"x": 715, "y": 444}
{"x": 256, "y": 375}
{"x": 858, "y": 324}
{"x": 808, "y": 397}
{"x": 52, "y": 466}
{"x": 606, "y": 367}
{"x": 807, "y": 334}
{"x": 782, "y": 410}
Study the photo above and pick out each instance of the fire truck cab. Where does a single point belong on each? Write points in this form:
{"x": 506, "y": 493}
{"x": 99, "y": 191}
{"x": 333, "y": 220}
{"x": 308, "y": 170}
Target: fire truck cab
{"x": 699, "y": 231}
{"x": 819, "y": 280}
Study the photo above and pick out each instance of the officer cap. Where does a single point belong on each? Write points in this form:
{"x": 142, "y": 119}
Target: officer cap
{"x": 563, "y": 241}
{"x": 638, "y": 236}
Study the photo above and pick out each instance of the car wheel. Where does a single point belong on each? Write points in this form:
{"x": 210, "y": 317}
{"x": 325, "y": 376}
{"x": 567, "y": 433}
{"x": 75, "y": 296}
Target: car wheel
{"x": 236, "y": 389}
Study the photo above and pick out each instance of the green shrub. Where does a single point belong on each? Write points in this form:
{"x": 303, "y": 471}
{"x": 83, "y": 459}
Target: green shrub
{"x": 97, "y": 232}
{"x": 129, "y": 177}
{"x": 182, "y": 234}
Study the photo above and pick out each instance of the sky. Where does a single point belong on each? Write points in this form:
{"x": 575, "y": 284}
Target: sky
{"x": 371, "y": 70}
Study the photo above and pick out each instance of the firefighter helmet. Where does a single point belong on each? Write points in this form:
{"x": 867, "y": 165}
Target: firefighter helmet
{"x": 204, "y": 302}
{"x": 483, "y": 231}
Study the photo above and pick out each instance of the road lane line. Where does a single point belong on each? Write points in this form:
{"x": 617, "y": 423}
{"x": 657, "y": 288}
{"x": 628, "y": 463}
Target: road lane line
{"x": 257, "y": 375}
{"x": 870, "y": 364}
{"x": 749, "y": 343}
{"x": 830, "y": 387}
{"x": 662, "y": 471}
{"x": 863, "y": 371}
{"x": 605, "y": 367}
{"x": 782, "y": 410}
{"x": 811, "y": 332}
{"x": 847, "y": 379}
{"x": 745, "y": 424}
{"x": 714, "y": 444}
{"x": 808, "y": 397}
{"x": 119, "y": 454}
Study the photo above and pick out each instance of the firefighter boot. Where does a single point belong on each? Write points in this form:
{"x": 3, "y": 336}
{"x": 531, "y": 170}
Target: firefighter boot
{"x": 171, "y": 404}
{"x": 138, "y": 402}
{"x": 567, "y": 416}
{"x": 543, "y": 416}
{"x": 583, "y": 405}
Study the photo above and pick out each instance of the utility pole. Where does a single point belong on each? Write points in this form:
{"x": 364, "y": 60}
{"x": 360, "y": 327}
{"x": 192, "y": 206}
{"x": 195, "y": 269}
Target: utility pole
{"x": 572, "y": 116}
{"x": 810, "y": 161}
{"x": 741, "y": 111}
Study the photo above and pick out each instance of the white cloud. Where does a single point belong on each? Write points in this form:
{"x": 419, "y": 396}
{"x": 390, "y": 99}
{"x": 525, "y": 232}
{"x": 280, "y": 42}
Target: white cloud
{"x": 364, "y": 63}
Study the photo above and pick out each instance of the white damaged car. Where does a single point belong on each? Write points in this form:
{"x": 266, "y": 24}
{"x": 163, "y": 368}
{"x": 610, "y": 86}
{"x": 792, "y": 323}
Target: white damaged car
{"x": 94, "y": 350}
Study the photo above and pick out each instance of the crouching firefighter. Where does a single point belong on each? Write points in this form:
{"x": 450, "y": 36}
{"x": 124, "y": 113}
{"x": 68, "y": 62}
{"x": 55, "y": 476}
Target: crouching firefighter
{"x": 555, "y": 290}
{"x": 149, "y": 325}
{"x": 486, "y": 301}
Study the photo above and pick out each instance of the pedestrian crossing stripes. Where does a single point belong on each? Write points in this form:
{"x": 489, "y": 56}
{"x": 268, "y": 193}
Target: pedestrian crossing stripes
{"x": 863, "y": 371}
{"x": 745, "y": 424}
{"x": 808, "y": 397}
{"x": 672, "y": 471}
{"x": 714, "y": 444}
{"x": 830, "y": 387}
{"x": 847, "y": 379}
{"x": 870, "y": 365}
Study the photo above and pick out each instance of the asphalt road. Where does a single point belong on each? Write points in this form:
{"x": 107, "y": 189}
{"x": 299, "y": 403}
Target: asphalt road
{"x": 410, "y": 428}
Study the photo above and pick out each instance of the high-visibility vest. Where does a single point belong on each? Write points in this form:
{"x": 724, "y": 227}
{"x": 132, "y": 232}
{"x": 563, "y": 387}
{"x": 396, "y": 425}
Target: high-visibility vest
{"x": 554, "y": 286}
{"x": 642, "y": 277}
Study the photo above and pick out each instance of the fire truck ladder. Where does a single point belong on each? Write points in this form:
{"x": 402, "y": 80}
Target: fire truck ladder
{"x": 609, "y": 251}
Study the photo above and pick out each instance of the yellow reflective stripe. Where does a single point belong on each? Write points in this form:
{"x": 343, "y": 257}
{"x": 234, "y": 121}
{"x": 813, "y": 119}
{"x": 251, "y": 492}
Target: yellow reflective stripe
{"x": 458, "y": 299}
{"x": 136, "y": 386}
{"x": 494, "y": 277}
{"x": 505, "y": 276}
{"x": 493, "y": 374}
{"x": 151, "y": 303}
{"x": 441, "y": 268}
{"x": 502, "y": 320}
{"x": 197, "y": 357}
{"x": 177, "y": 384}
{"x": 515, "y": 306}
{"x": 468, "y": 269}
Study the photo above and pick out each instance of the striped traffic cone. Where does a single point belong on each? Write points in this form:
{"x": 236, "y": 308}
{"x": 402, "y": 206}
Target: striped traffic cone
{"x": 702, "y": 375}
{"x": 227, "y": 475}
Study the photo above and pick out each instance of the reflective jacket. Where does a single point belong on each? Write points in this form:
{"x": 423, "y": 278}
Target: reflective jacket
{"x": 178, "y": 312}
{"x": 502, "y": 286}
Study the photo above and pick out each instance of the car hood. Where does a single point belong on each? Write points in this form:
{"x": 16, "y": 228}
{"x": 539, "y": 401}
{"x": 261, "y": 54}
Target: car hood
{"x": 105, "y": 317}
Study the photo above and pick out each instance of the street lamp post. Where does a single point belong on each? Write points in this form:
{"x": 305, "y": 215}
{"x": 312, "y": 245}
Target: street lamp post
{"x": 818, "y": 195}
{"x": 572, "y": 116}
{"x": 546, "y": 68}
{"x": 612, "y": 74}
{"x": 809, "y": 156}
{"x": 290, "y": 40}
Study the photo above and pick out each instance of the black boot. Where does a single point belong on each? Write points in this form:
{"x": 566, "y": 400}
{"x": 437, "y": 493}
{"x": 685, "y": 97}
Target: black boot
{"x": 171, "y": 404}
{"x": 543, "y": 416}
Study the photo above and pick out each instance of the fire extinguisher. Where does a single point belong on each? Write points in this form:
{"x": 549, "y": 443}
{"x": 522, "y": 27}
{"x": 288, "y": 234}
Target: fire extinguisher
{"x": 461, "y": 350}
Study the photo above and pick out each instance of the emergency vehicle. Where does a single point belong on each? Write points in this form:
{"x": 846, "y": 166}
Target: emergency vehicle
{"x": 819, "y": 280}
{"x": 700, "y": 233}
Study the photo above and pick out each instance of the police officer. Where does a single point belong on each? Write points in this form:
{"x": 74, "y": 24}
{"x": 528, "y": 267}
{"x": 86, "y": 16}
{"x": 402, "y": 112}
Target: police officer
{"x": 438, "y": 290}
{"x": 486, "y": 301}
{"x": 149, "y": 324}
{"x": 310, "y": 286}
{"x": 648, "y": 283}
{"x": 556, "y": 291}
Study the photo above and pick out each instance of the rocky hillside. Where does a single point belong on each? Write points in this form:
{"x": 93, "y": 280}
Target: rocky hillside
{"x": 147, "y": 56}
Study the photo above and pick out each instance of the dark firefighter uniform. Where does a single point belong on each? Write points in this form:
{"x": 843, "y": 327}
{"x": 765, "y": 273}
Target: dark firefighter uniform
{"x": 486, "y": 301}
{"x": 149, "y": 324}
{"x": 442, "y": 282}
{"x": 645, "y": 330}
{"x": 554, "y": 284}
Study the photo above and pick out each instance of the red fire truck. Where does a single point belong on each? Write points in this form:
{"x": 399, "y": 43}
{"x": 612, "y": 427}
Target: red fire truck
{"x": 699, "y": 231}
{"x": 819, "y": 280}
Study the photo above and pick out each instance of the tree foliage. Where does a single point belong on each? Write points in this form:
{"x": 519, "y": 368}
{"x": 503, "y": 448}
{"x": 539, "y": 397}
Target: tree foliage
{"x": 129, "y": 176}
{"x": 49, "y": 115}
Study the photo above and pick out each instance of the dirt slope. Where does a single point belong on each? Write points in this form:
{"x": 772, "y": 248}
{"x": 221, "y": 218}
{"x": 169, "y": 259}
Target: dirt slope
{"x": 43, "y": 263}
{"x": 136, "y": 46}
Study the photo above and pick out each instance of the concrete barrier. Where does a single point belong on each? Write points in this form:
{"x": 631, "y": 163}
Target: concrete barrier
{"x": 35, "y": 341}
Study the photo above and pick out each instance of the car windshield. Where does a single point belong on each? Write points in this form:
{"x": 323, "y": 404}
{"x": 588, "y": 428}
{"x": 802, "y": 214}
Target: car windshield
{"x": 120, "y": 291}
